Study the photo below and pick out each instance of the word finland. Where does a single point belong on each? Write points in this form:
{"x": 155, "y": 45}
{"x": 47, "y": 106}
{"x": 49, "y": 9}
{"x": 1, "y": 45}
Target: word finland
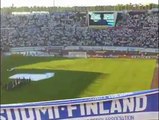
{"x": 125, "y": 105}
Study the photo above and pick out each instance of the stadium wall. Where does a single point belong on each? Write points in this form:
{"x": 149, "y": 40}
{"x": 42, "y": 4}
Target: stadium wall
{"x": 86, "y": 51}
{"x": 112, "y": 48}
{"x": 141, "y": 105}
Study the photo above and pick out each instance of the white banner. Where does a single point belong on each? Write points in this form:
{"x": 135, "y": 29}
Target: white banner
{"x": 129, "y": 106}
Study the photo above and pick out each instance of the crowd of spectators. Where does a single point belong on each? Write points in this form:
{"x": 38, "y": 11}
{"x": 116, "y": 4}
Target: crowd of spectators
{"x": 133, "y": 29}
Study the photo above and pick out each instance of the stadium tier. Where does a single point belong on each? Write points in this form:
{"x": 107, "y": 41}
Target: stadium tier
{"x": 131, "y": 29}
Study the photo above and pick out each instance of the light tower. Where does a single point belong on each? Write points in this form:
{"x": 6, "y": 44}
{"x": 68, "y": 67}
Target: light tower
{"x": 53, "y": 3}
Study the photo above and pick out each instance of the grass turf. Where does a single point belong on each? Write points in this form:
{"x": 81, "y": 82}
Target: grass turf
{"x": 76, "y": 77}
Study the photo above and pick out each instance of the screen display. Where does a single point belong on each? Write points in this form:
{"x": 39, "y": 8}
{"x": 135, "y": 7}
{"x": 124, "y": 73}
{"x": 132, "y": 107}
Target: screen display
{"x": 102, "y": 19}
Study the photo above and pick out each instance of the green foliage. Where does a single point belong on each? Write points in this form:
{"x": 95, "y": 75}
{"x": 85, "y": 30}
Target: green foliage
{"x": 118, "y": 7}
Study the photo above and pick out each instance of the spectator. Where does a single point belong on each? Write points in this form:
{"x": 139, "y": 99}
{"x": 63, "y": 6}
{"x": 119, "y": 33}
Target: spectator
{"x": 102, "y": 21}
{"x": 134, "y": 29}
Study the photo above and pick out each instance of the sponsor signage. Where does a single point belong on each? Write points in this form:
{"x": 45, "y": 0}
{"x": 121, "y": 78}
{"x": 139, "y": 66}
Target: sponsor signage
{"x": 132, "y": 49}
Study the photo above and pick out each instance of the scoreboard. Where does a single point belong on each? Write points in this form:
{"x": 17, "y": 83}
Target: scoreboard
{"x": 102, "y": 19}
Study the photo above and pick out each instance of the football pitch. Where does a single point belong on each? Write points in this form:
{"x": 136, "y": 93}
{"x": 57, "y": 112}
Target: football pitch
{"x": 74, "y": 78}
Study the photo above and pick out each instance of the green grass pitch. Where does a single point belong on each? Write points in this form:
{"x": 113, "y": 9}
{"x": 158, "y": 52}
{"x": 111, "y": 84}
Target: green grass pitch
{"x": 76, "y": 77}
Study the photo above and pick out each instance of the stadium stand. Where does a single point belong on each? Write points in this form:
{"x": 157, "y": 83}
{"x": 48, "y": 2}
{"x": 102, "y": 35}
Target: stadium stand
{"x": 133, "y": 29}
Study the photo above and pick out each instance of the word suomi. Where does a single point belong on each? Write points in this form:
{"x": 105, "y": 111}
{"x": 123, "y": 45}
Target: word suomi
{"x": 125, "y": 105}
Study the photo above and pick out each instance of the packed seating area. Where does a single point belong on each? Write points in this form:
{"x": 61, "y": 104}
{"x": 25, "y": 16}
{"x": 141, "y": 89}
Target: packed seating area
{"x": 133, "y": 29}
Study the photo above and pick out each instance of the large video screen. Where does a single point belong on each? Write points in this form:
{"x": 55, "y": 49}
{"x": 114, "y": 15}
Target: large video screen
{"x": 107, "y": 19}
